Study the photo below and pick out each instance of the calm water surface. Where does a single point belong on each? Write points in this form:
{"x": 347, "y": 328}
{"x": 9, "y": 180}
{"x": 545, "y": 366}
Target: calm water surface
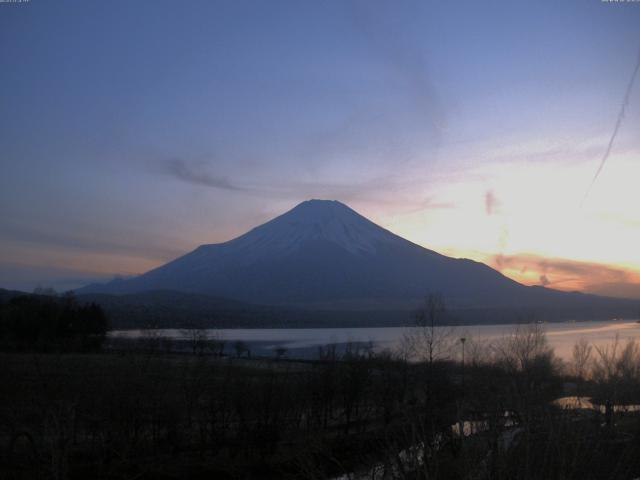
{"x": 562, "y": 336}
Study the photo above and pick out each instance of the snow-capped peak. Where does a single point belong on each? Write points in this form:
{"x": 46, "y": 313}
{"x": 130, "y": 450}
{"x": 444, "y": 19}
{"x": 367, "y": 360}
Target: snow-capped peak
{"x": 322, "y": 220}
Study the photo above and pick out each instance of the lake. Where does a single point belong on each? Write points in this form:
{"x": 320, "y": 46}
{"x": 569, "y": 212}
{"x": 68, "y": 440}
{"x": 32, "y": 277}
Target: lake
{"x": 304, "y": 342}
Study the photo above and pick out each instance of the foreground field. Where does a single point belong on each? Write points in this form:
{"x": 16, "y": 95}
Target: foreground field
{"x": 150, "y": 415}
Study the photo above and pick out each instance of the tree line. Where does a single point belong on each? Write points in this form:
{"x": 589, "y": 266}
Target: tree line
{"x": 156, "y": 415}
{"x": 415, "y": 412}
{"x": 45, "y": 321}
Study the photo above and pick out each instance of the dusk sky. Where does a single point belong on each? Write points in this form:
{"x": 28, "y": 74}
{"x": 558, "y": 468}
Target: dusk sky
{"x": 133, "y": 131}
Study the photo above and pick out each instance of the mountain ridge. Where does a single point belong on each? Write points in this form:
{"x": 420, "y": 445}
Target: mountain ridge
{"x": 321, "y": 254}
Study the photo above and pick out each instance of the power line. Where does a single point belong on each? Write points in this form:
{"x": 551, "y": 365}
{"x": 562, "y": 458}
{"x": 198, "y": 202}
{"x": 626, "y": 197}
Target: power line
{"x": 623, "y": 108}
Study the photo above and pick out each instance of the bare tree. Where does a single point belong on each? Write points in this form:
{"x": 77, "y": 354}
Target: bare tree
{"x": 580, "y": 358}
{"x": 197, "y": 338}
{"x": 523, "y": 349}
{"x": 477, "y": 351}
{"x": 217, "y": 344}
{"x": 616, "y": 373}
{"x": 430, "y": 340}
{"x": 240, "y": 347}
{"x": 530, "y": 366}
{"x": 150, "y": 341}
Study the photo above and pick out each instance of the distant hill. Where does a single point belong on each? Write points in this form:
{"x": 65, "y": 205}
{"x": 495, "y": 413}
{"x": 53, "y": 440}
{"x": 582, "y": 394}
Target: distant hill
{"x": 172, "y": 309}
{"x": 6, "y": 295}
{"x": 322, "y": 255}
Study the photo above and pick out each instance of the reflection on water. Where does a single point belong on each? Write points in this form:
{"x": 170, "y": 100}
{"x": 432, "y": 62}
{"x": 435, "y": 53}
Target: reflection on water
{"x": 562, "y": 335}
{"x": 612, "y": 326}
{"x": 584, "y": 403}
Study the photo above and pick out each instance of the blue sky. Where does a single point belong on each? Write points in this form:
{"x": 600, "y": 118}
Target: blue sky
{"x": 133, "y": 131}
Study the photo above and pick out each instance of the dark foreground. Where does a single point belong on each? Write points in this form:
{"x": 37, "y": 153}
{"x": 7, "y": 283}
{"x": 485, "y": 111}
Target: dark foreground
{"x": 147, "y": 415}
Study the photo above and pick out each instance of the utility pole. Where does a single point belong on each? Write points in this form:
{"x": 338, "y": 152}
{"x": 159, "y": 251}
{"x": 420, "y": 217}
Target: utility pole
{"x": 462, "y": 341}
{"x": 461, "y": 404}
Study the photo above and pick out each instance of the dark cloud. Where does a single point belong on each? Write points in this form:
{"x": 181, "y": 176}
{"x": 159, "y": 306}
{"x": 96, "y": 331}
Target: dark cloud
{"x": 544, "y": 280}
{"x": 196, "y": 173}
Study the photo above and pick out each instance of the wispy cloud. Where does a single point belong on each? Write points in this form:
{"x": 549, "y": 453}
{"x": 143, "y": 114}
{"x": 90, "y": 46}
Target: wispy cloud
{"x": 491, "y": 203}
{"x": 196, "y": 173}
{"x": 27, "y": 277}
{"x": 394, "y": 192}
{"x": 89, "y": 238}
{"x": 391, "y": 42}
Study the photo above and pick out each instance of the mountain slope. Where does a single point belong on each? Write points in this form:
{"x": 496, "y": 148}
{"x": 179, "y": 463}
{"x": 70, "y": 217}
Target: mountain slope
{"x": 322, "y": 254}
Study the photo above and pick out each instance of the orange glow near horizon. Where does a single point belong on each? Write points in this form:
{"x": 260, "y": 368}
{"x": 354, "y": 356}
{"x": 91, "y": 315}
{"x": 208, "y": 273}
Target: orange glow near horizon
{"x": 527, "y": 221}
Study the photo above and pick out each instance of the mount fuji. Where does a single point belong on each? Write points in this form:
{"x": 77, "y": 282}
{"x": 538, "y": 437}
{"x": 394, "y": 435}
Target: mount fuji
{"x": 324, "y": 255}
